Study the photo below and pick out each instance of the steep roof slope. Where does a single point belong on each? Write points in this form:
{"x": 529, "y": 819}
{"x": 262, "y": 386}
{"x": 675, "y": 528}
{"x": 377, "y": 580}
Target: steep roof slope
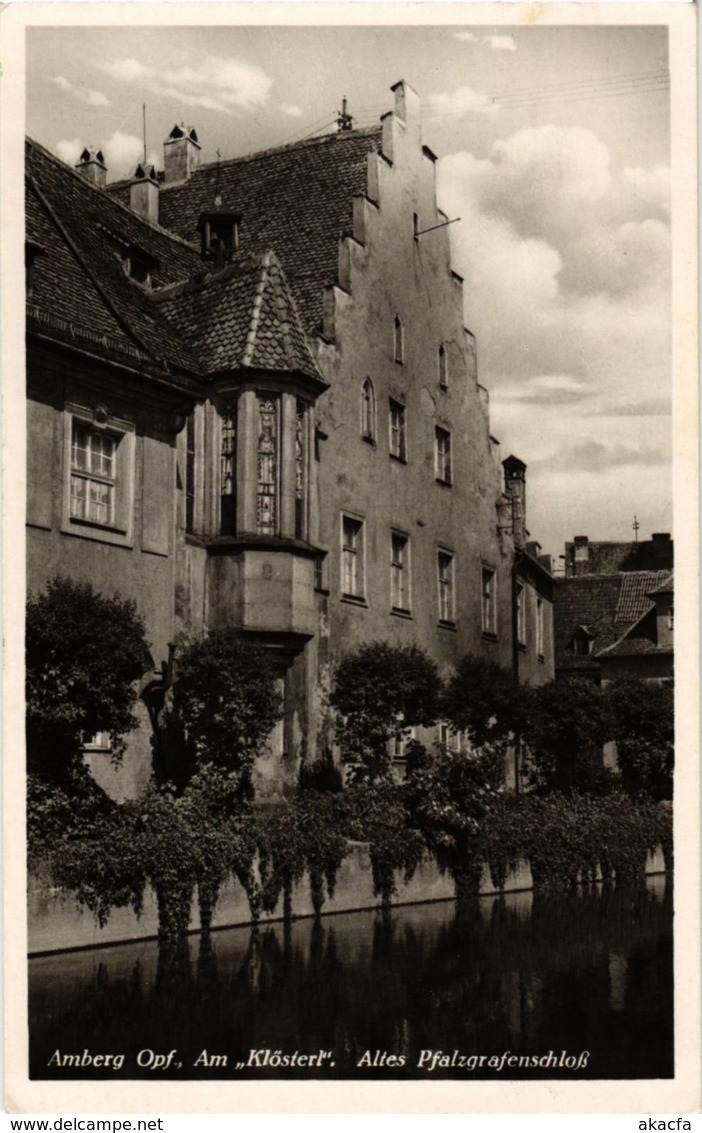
{"x": 80, "y": 291}
{"x": 297, "y": 200}
{"x": 607, "y": 605}
{"x": 242, "y": 317}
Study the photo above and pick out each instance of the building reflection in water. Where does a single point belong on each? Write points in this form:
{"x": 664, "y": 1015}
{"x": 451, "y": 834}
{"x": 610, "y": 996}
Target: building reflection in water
{"x": 528, "y": 973}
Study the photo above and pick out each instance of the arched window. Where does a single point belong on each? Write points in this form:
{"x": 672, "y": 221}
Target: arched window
{"x": 368, "y": 411}
{"x": 399, "y": 340}
{"x": 443, "y": 367}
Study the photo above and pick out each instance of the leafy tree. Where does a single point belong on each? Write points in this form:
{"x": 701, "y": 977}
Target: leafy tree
{"x": 481, "y": 698}
{"x": 224, "y": 706}
{"x": 380, "y": 691}
{"x": 84, "y": 653}
{"x": 565, "y": 725}
{"x": 448, "y": 796}
{"x": 376, "y": 813}
{"x": 642, "y": 724}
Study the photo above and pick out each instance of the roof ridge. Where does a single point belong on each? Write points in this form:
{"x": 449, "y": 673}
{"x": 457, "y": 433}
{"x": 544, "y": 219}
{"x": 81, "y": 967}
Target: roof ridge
{"x": 65, "y": 168}
{"x": 256, "y": 310}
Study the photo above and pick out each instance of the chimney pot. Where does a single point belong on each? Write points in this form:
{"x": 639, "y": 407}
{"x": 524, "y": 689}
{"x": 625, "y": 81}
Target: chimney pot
{"x": 181, "y": 153}
{"x": 143, "y": 192}
{"x": 92, "y": 167}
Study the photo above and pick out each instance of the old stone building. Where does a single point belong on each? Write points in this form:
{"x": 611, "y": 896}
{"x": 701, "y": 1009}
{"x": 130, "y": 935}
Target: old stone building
{"x": 253, "y": 403}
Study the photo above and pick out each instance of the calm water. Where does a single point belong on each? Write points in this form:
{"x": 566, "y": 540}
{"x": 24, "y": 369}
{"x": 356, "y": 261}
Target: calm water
{"x": 587, "y": 971}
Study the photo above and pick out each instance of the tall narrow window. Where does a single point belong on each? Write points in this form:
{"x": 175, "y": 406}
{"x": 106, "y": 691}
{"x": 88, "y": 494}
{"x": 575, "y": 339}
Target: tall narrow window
{"x": 351, "y": 557}
{"x": 227, "y": 466}
{"x": 670, "y": 617}
{"x": 397, "y": 442}
{"x": 489, "y": 614}
{"x": 398, "y": 340}
{"x": 300, "y": 468}
{"x": 446, "y": 587}
{"x": 540, "y": 626}
{"x": 93, "y": 475}
{"x": 399, "y": 572}
{"x": 368, "y": 411}
{"x": 442, "y": 455}
{"x": 267, "y": 494}
{"x": 443, "y": 367}
{"x": 521, "y": 613}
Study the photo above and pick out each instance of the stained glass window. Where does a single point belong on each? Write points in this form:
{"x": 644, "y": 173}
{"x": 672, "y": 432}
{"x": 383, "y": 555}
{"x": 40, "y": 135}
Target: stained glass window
{"x": 268, "y": 442}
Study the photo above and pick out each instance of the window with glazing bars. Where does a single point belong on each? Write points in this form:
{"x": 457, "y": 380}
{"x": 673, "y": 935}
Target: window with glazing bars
{"x": 93, "y": 475}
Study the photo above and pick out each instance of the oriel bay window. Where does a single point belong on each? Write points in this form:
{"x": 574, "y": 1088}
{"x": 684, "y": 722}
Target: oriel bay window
{"x": 259, "y": 457}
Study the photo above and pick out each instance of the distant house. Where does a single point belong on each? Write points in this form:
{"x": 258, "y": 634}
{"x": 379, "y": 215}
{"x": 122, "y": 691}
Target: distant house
{"x": 612, "y": 617}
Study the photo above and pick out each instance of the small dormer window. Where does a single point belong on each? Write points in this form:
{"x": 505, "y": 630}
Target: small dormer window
{"x": 138, "y": 269}
{"x": 219, "y": 235}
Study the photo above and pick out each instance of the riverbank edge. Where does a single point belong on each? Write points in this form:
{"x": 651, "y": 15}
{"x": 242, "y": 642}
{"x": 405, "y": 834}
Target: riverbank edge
{"x": 57, "y": 923}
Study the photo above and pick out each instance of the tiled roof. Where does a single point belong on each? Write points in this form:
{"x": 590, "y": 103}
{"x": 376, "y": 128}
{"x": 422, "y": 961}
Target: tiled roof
{"x": 665, "y": 587}
{"x": 606, "y": 604}
{"x": 634, "y": 594}
{"x": 297, "y": 200}
{"x": 587, "y": 601}
{"x": 610, "y": 558}
{"x": 243, "y": 317}
{"x": 80, "y": 291}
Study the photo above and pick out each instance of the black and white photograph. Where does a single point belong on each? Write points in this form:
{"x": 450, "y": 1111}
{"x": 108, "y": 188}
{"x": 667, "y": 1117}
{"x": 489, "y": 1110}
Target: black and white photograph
{"x": 346, "y": 662}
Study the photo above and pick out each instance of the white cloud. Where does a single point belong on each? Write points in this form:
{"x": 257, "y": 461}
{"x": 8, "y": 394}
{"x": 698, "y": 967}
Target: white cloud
{"x": 495, "y": 42}
{"x": 83, "y": 94}
{"x": 464, "y": 100}
{"x": 501, "y": 42}
{"x": 69, "y": 150}
{"x": 216, "y": 83}
{"x": 290, "y": 110}
{"x": 123, "y": 152}
{"x": 567, "y": 290}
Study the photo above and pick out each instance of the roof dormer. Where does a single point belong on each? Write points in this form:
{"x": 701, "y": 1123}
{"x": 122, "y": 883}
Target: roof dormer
{"x": 219, "y": 234}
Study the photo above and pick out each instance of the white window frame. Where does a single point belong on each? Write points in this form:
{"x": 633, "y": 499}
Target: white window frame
{"x": 400, "y": 572}
{"x": 120, "y": 530}
{"x": 446, "y": 586}
{"x": 488, "y": 599}
{"x": 100, "y": 742}
{"x": 397, "y": 744}
{"x": 397, "y": 429}
{"x": 450, "y": 738}
{"x": 443, "y": 464}
{"x": 353, "y": 557}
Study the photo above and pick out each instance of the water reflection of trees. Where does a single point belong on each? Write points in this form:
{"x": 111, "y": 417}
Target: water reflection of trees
{"x": 586, "y": 970}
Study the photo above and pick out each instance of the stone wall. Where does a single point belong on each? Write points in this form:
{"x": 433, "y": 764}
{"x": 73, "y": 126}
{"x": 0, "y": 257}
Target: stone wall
{"x": 57, "y": 923}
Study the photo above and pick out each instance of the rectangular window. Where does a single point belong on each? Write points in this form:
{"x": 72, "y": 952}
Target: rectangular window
{"x": 540, "y": 627}
{"x": 400, "y": 572}
{"x": 227, "y": 474}
{"x": 268, "y": 465}
{"x": 351, "y": 557}
{"x": 449, "y": 738}
{"x": 442, "y": 455}
{"x": 93, "y": 475}
{"x": 99, "y": 742}
{"x": 670, "y": 617}
{"x": 489, "y": 613}
{"x": 398, "y": 743}
{"x": 300, "y": 470}
{"x": 398, "y": 447}
{"x": 446, "y": 588}
{"x": 521, "y": 613}
{"x": 443, "y": 367}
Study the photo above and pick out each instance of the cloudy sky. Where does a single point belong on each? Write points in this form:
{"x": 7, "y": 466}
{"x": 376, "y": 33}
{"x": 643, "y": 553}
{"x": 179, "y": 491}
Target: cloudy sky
{"x": 554, "y": 152}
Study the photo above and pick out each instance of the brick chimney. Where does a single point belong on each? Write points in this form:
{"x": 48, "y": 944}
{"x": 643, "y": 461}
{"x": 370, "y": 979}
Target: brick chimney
{"x": 92, "y": 167}
{"x": 143, "y": 193}
{"x": 181, "y": 154}
{"x": 515, "y": 490}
